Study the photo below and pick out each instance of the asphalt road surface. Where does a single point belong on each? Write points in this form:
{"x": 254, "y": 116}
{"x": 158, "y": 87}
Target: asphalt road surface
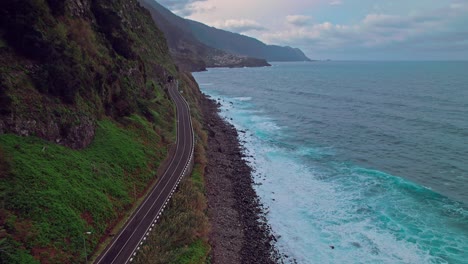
{"x": 127, "y": 242}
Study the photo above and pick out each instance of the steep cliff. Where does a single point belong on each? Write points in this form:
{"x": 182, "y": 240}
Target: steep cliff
{"x": 243, "y": 45}
{"x": 195, "y": 41}
{"x": 85, "y": 121}
{"x": 189, "y": 53}
{"x": 65, "y": 64}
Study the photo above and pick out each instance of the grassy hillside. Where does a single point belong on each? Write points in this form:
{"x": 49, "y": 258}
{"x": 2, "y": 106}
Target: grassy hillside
{"x": 52, "y": 194}
{"x": 84, "y": 122}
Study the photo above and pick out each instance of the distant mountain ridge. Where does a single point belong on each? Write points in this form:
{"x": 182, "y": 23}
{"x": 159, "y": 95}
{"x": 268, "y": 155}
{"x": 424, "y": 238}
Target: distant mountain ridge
{"x": 195, "y": 45}
{"x": 189, "y": 53}
{"x": 244, "y": 45}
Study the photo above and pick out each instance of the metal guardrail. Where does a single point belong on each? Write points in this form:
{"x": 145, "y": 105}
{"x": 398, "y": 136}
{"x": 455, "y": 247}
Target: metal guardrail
{"x": 187, "y": 169}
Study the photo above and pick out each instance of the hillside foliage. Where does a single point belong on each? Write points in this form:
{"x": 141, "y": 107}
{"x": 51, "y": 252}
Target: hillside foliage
{"x": 85, "y": 121}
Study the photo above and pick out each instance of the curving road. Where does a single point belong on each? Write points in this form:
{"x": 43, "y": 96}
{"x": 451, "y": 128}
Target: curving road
{"x": 123, "y": 247}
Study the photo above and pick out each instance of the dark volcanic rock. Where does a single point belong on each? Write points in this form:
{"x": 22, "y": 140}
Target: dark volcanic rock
{"x": 239, "y": 231}
{"x": 67, "y": 64}
{"x": 76, "y": 135}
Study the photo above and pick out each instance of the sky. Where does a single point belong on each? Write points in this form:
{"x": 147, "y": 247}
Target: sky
{"x": 343, "y": 29}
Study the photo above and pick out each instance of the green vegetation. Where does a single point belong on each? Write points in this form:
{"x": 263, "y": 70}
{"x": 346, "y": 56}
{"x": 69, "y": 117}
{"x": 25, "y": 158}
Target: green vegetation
{"x": 195, "y": 253}
{"x": 90, "y": 86}
{"x": 181, "y": 235}
{"x": 195, "y": 45}
{"x": 64, "y": 70}
{"x": 83, "y": 86}
{"x": 2, "y": 43}
{"x": 52, "y": 195}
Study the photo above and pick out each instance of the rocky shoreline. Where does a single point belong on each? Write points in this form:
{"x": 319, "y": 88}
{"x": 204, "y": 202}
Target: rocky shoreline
{"x": 239, "y": 232}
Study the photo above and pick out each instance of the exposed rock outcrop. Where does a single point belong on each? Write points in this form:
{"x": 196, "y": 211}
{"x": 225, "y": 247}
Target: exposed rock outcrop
{"x": 66, "y": 64}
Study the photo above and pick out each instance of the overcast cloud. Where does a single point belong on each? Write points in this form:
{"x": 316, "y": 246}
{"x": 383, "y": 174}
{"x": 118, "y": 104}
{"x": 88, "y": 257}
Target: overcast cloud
{"x": 343, "y": 29}
{"x": 239, "y": 25}
{"x": 298, "y": 20}
{"x": 186, "y": 8}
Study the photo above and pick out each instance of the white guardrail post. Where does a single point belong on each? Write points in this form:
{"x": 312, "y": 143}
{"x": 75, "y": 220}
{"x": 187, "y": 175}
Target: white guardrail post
{"x": 187, "y": 170}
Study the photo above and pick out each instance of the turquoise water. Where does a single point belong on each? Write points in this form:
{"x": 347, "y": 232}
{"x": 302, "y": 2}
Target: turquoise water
{"x": 368, "y": 157}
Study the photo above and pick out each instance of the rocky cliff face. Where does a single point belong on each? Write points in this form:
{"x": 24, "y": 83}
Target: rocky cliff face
{"x": 66, "y": 64}
{"x": 85, "y": 121}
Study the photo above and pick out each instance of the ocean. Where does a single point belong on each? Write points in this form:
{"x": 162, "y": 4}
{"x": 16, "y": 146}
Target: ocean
{"x": 355, "y": 162}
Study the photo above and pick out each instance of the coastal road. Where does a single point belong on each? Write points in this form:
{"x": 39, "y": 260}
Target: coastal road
{"x": 127, "y": 242}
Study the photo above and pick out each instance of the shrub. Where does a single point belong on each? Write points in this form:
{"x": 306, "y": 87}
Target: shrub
{"x": 110, "y": 24}
{"x": 5, "y": 100}
{"x": 57, "y": 7}
{"x": 59, "y": 80}
{"x": 123, "y": 47}
{"x": 5, "y": 167}
{"x": 82, "y": 33}
{"x": 20, "y": 17}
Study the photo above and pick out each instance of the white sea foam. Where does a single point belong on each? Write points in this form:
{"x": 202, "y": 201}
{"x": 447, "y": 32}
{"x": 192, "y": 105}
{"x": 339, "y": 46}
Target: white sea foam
{"x": 242, "y": 98}
{"x": 310, "y": 214}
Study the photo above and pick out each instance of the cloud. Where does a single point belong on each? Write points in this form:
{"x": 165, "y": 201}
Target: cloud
{"x": 335, "y": 2}
{"x": 186, "y": 8}
{"x": 239, "y": 25}
{"x": 195, "y": 8}
{"x": 177, "y": 4}
{"x": 377, "y": 31}
{"x": 298, "y": 20}
{"x": 459, "y": 5}
{"x": 334, "y": 27}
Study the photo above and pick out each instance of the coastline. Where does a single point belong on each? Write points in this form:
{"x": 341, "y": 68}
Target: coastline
{"x": 239, "y": 232}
